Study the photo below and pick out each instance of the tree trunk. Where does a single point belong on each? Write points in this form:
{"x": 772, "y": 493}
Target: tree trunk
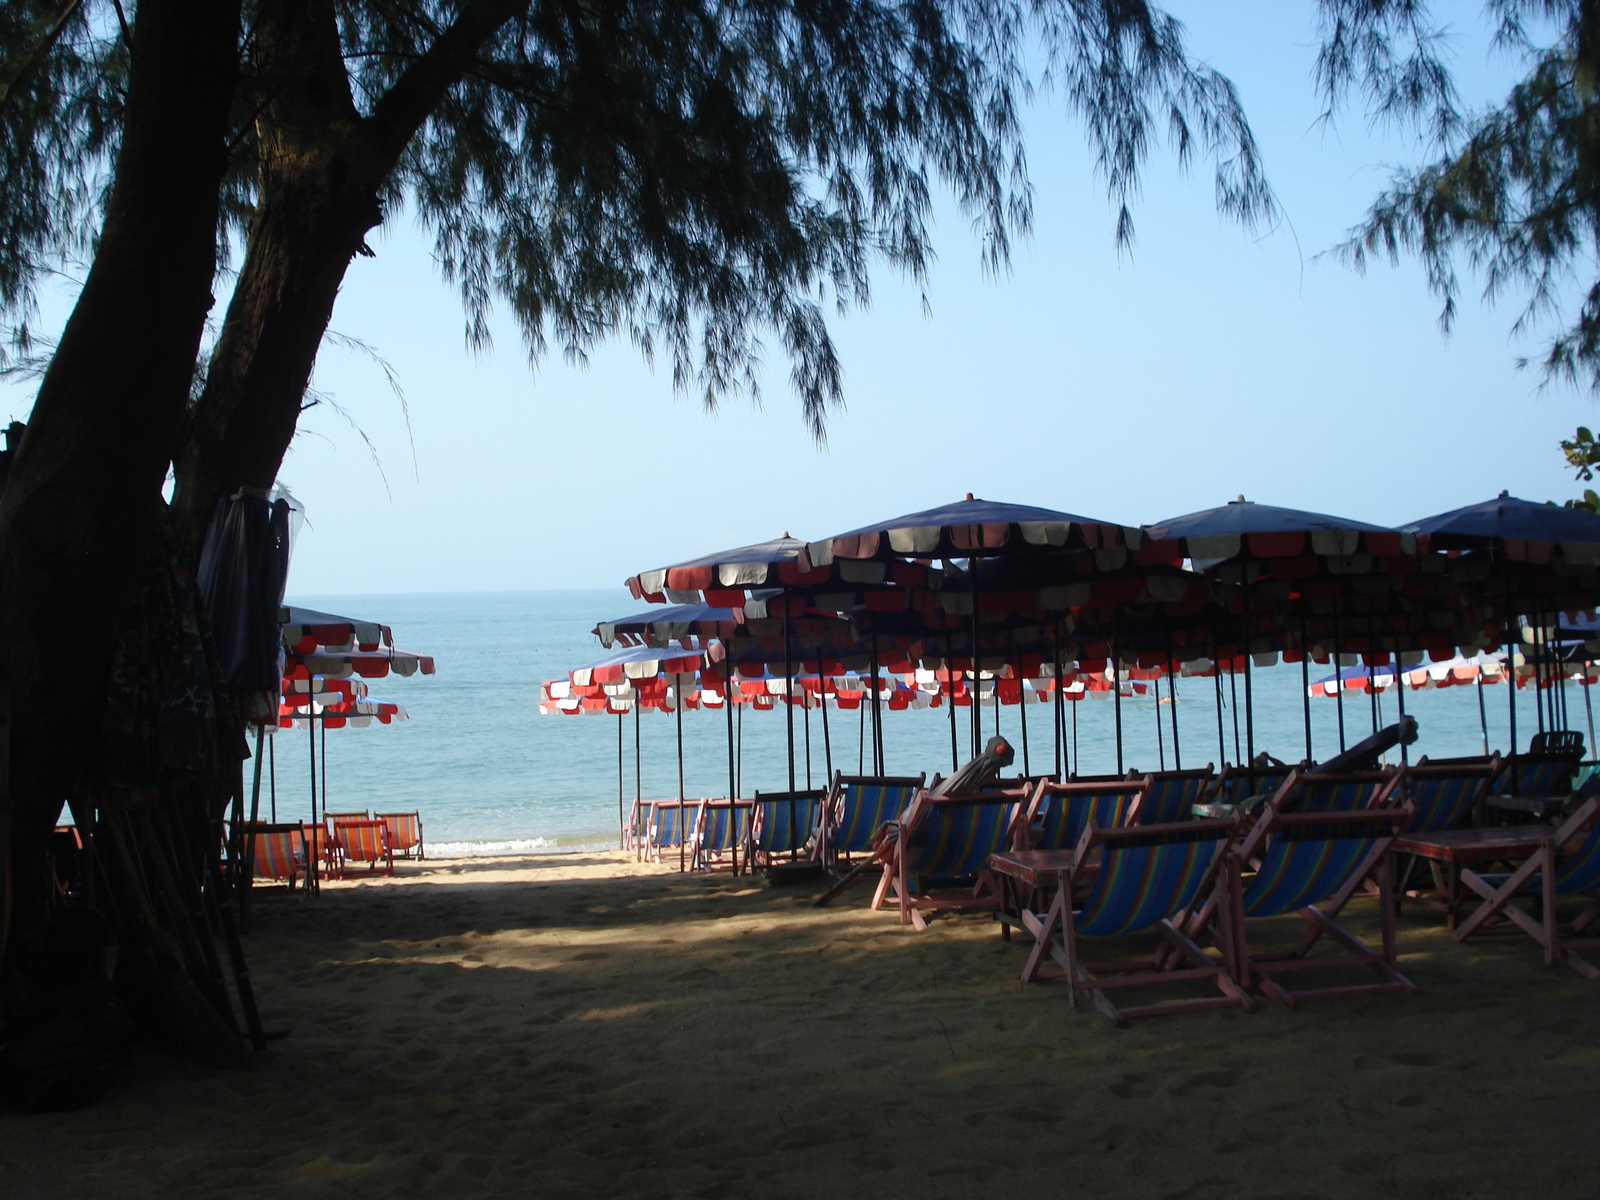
{"x": 324, "y": 167}
{"x": 318, "y": 197}
{"x": 81, "y": 501}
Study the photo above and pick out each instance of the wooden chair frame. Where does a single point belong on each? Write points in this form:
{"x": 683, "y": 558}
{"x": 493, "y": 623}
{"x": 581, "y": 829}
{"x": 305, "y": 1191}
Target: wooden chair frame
{"x": 833, "y": 809}
{"x": 1056, "y": 934}
{"x": 897, "y": 846}
{"x": 1560, "y": 944}
{"x": 390, "y": 819}
{"x": 816, "y": 801}
{"x": 341, "y": 848}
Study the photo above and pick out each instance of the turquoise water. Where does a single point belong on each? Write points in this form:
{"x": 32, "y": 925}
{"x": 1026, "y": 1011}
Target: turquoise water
{"x": 491, "y": 775}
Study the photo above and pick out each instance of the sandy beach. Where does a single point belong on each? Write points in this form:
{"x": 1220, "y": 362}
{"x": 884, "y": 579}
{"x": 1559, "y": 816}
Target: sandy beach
{"x": 583, "y": 1026}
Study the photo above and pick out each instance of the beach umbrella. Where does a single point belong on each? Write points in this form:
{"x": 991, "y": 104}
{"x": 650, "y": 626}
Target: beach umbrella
{"x": 1551, "y": 551}
{"x": 968, "y": 529}
{"x": 1237, "y": 539}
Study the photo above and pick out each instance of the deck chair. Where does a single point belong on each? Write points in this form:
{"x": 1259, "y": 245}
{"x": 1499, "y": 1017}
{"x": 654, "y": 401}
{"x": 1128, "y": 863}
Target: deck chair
{"x": 319, "y": 847}
{"x": 362, "y": 842}
{"x": 1058, "y": 813}
{"x": 1311, "y": 863}
{"x": 1170, "y": 796}
{"x": 1336, "y": 793}
{"x": 1143, "y": 877}
{"x": 1533, "y": 783}
{"x": 1568, "y": 865}
{"x": 1443, "y": 795}
{"x": 275, "y": 852}
{"x": 944, "y": 842}
{"x": 671, "y": 826}
{"x": 784, "y": 824}
{"x": 330, "y": 819}
{"x": 856, "y": 807}
{"x": 720, "y": 827}
{"x": 405, "y": 832}
{"x": 1237, "y": 784}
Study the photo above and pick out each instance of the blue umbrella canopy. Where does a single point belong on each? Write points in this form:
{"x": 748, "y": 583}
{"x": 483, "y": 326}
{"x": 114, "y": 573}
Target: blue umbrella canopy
{"x": 1242, "y": 527}
{"x": 670, "y": 623}
{"x": 971, "y": 528}
{"x": 1508, "y": 518}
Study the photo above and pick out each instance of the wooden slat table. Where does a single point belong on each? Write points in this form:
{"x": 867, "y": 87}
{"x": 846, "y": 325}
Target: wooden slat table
{"x": 1448, "y": 850}
{"x": 1033, "y": 875}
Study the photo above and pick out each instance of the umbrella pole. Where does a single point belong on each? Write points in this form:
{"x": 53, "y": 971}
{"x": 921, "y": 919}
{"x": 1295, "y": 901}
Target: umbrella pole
{"x": 272, "y": 775}
{"x": 738, "y": 779}
{"x": 827, "y": 742}
{"x": 788, "y": 685}
{"x": 1305, "y": 679}
{"x": 324, "y": 763}
{"x": 311, "y": 867}
{"x": 1338, "y": 669}
{"x": 861, "y": 739}
{"x": 622, "y": 825}
{"x": 1075, "y": 732}
{"x": 806, "y": 713}
{"x": 1483, "y": 714}
{"x": 1511, "y": 676}
{"x": 877, "y": 716}
{"x": 1116, "y": 684}
{"x": 1058, "y": 717}
{"x": 1588, "y": 708}
{"x": 1216, "y": 691}
{"x": 1233, "y": 701}
{"x": 1022, "y": 706}
{"x": 1372, "y": 675}
{"x": 677, "y": 710}
{"x": 733, "y": 781}
{"x": 950, "y": 697}
{"x": 1161, "y": 745}
{"x": 1249, "y": 661}
{"x": 1172, "y": 693}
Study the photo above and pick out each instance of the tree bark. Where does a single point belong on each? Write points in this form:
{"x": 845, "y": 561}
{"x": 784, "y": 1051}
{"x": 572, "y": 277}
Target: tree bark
{"x": 82, "y": 497}
{"x": 324, "y": 169}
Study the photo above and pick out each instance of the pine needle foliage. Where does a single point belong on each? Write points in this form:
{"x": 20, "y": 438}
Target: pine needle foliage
{"x": 1514, "y": 192}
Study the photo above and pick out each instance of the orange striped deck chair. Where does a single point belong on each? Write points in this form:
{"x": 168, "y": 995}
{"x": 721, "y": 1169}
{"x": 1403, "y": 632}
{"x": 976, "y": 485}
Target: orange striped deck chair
{"x": 362, "y": 842}
{"x": 405, "y": 832}
{"x": 333, "y": 818}
{"x": 319, "y": 844}
{"x": 276, "y": 852}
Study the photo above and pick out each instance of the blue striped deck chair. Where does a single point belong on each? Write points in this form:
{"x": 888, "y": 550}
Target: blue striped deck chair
{"x": 784, "y": 824}
{"x": 1237, "y": 784}
{"x": 1443, "y": 795}
{"x": 1059, "y": 812}
{"x": 720, "y": 828}
{"x": 671, "y": 825}
{"x": 1567, "y": 865}
{"x": 1172, "y": 795}
{"x": 944, "y": 842}
{"x": 1533, "y": 783}
{"x": 1142, "y": 877}
{"x": 1312, "y": 863}
{"x": 857, "y": 807}
{"x": 1305, "y": 792}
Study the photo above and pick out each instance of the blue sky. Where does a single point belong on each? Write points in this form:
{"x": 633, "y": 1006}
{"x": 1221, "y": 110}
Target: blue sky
{"x": 1207, "y": 364}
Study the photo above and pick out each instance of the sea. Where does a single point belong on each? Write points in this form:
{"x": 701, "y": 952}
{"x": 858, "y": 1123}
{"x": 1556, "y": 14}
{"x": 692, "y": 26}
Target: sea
{"x": 491, "y": 775}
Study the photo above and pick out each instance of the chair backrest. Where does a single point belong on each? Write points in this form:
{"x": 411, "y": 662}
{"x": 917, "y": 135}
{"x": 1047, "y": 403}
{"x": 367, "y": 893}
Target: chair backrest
{"x": 722, "y": 825}
{"x": 955, "y": 835}
{"x": 362, "y": 841}
{"x": 405, "y": 829}
{"x": 1309, "y": 856}
{"x": 1333, "y": 793}
{"x": 1240, "y": 783}
{"x": 784, "y": 821}
{"x": 333, "y": 818}
{"x": 862, "y": 803}
{"x": 1172, "y": 795}
{"x": 1557, "y": 741}
{"x": 670, "y": 820}
{"x": 1147, "y": 873}
{"x": 1060, "y": 812}
{"x": 316, "y": 839}
{"x": 277, "y": 851}
{"x": 1535, "y": 775}
{"x": 1443, "y": 795}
